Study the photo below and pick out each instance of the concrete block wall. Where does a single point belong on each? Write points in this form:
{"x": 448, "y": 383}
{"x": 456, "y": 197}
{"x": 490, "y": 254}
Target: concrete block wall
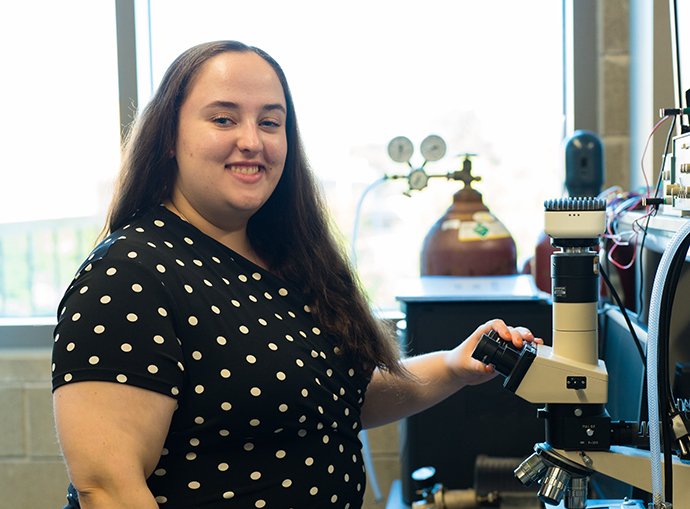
{"x": 32, "y": 474}
{"x": 384, "y": 443}
{"x": 613, "y": 118}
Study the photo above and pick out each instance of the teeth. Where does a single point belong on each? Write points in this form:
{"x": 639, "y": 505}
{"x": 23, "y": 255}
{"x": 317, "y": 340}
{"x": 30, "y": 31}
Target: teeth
{"x": 245, "y": 170}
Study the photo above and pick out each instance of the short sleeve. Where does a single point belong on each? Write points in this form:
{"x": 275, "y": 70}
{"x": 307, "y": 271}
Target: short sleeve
{"x": 115, "y": 324}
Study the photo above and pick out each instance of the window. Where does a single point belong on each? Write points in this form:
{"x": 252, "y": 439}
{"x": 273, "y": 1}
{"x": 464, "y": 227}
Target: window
{"x": 361, "y": 73}
{"x": 364, "y": 72}
{"x": 61, "y": 145}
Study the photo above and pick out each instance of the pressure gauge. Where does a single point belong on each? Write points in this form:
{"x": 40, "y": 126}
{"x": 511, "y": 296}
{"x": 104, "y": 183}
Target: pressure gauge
{"x": 400, "y": 149}
{"x": 433, "y": 148}
{"x": 417, "y": 179}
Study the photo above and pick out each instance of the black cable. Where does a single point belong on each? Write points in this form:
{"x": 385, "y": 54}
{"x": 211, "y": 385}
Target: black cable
{"x": 669, "y": 135}
{"x": 671, "y": 285}
{"x": 675, "y": 270}
{"x": 659, "y": 180}
{"x": 641, "y": 267}
{"x": 624, "y": 312}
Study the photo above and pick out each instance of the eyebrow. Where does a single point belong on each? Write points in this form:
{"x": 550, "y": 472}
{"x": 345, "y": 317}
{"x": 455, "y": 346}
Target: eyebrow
{"x": 234, "y": 106}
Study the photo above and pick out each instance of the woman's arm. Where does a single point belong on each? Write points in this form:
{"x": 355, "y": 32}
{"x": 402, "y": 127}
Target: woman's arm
{"x": 111, "y": 436}
{"x": 436, "y": 376}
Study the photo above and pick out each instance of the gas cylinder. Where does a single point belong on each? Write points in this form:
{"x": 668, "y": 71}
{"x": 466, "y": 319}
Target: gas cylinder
{"x": 468, "y": 240}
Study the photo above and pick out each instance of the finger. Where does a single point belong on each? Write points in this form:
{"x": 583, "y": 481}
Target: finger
{"x": 525, "y": 333}
{"x": 528, "y": 335}
{"x": 519, "y": 335}
{"x": 515, "y": 337}
{"x": 499, "y": 326}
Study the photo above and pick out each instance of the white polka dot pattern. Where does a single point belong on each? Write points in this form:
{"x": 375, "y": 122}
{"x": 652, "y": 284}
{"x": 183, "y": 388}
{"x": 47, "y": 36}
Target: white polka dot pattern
{"x": 268, "y": 408}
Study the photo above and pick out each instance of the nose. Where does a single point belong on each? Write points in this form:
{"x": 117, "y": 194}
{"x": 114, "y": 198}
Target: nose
{"x": 249, "y": 139}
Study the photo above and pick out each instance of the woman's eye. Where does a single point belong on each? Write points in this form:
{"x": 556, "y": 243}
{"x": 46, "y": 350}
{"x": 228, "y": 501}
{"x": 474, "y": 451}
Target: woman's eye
{"x": 270, "y": 123}
{"x": 222, "y": 120}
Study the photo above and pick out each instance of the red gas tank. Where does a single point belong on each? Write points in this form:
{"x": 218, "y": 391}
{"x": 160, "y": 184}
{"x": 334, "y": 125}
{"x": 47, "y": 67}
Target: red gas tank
{"x": 468, "y": 240}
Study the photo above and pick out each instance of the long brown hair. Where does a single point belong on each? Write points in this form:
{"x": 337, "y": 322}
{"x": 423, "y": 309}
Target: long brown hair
{"x": 291, "y": 232}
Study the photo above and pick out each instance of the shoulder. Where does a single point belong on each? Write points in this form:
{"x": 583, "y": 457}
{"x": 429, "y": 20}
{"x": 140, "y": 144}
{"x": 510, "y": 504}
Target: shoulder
{"x": 133, "y": 248}
{"x": 153, "y": 236}
{"x": 152, "y": 229}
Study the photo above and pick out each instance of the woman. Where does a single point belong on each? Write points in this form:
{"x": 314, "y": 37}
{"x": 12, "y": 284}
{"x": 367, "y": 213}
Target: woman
{"x": 215, "y": 349}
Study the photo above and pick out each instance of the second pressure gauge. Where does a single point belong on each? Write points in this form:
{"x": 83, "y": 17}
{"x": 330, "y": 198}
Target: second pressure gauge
{"x": 433, "y": 148}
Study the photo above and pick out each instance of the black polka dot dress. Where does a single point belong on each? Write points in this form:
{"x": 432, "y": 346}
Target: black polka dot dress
{"x": 268, "y": 407}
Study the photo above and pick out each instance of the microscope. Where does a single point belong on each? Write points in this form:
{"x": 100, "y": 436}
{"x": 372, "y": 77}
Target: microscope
{"x": 572, "y": 381}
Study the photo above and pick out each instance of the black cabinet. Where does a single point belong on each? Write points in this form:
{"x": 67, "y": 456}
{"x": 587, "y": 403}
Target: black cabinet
{"x": 485, "y": 419}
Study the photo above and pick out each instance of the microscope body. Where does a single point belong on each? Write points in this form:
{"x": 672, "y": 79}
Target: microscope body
{"x": 570, "y": 379}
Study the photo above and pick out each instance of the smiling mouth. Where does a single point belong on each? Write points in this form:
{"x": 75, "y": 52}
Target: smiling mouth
{"x": 244, "y": 170}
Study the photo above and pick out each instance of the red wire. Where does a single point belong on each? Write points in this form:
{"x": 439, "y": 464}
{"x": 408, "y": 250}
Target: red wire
{"x": 636, "y": 228}
{"x": 632, "y": 259}
{"x": 646, "y": 146}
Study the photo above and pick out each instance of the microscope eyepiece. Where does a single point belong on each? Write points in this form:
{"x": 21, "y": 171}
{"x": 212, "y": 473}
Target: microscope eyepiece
{"x": 508, "y": 360}
{"x": 492, "y": 350}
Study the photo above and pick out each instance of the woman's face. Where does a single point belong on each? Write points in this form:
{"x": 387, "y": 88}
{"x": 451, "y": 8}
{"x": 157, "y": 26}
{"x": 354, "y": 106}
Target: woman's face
{"x": 231, "y": 141}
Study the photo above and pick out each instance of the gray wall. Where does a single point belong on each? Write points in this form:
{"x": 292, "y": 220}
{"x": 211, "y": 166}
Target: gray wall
{"x": 32, "y": 474}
